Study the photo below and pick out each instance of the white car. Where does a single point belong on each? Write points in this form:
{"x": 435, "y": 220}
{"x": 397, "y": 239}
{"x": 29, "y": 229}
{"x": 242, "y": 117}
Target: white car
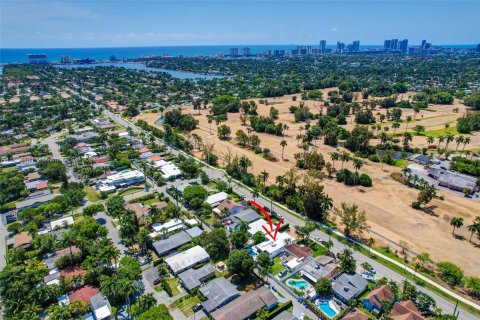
{"x": 302, "y": 316}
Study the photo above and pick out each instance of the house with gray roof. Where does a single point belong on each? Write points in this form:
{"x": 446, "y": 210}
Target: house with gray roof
{"x": 321, "y": 267}
{"x": 100, "y": 306}
{"x": 194, "y": 278}
{"x": 34, "y": 202}
{"x": 349, "y": 286}
{"x": 246, "y": 305}
{"x": 53, "y": 278}
{"x": 194, "y": 232}
{"x": 218, "y": 293}
{"x": 285, "y": 315}
{"x": 165, "y": 246}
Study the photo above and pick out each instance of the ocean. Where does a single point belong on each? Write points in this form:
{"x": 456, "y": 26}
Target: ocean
{"x": 54, "y": 54}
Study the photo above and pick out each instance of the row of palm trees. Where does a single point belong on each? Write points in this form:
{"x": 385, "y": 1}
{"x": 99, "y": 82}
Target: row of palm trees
{"x": 474, "y": 228}
{"x": 448, "y": 139}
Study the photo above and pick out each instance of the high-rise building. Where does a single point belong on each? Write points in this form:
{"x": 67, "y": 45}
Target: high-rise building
{"x": 37, "y": 58}
{"x": 246, "y": 52}
{"x": 394, "y": 44}
{"x": 323, "y": 46}
{"x": 424, "y": 44}
{"x": 387, "y": 44}
{"x": 478, "y": 47}
{"x": 112, "y": 58}
{"x": 65, "y": 59}
{"x": 403, "y": 45}
{"x": 233, "y": 52}
{"x": 356, "y": 45}
{"x": 340, "y": 47}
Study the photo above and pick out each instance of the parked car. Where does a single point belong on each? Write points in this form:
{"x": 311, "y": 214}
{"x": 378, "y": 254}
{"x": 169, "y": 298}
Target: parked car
{"x": 302, "y": 316}
{"x": 157, "y": 281}
{"x": 266, "y": 208}
{"x": 274, "y": 289}
{"x": 317, "y": 239}
{"x": 282, "y": 273}
{"x": 197, "y": 307}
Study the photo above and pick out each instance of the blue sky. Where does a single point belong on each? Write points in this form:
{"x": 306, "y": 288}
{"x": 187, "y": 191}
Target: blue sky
{"x": 105, "y": 23}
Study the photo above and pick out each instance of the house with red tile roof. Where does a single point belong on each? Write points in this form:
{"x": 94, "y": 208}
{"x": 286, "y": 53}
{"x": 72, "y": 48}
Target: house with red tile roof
{"x": 298, "y": 251}
{"x": 373, "y": 301}
{"x": 356, "y": 314}
{"x": 83, "y": 294}
{"x": 406, "y": 310}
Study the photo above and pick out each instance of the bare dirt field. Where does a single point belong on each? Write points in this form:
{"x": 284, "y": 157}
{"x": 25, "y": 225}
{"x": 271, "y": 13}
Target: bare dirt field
{"x": 387, "y": 203}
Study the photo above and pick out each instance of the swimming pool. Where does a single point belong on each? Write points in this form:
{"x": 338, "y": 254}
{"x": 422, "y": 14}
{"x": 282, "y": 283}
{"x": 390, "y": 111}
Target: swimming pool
{"x": 298, "y": 284}
{"x": 252, "y": 252}
{"x": 326, "y": 308}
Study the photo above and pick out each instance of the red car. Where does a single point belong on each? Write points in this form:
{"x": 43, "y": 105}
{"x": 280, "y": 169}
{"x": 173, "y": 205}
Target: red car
{"x": 157, "y": 281}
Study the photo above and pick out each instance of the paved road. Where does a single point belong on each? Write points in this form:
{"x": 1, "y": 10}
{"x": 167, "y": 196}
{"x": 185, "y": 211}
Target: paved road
{"x": 442, "y": 303}
{"x": 113, "y": 233}
{"x": 55, "y": 149}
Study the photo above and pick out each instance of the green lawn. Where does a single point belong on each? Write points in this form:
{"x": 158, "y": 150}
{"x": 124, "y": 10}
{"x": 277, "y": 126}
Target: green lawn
{"x": 91, "y": 195}
{"x": 130, "y": 191}
{"x": 277, "y": 266}
{"x": 318, "y": 250}
{"x": 441, "y": 132}
{"x": 185, "y": 304}
{"x": 150, "y": 201}
{"x": 401, "y": 163}
{"x": 173, "y": 283}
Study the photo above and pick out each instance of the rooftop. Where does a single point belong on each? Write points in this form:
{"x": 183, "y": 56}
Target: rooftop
{"x": 349, "y": 286}
{"x": 218, "y": 292}
{"x": 83, "y": 294}
{"x": 187, "y": 259}
{"x": 164, "y": 246}
{"x": 194, "y": 278}
{"x": 246, "y": 305}
{"x": 22, "y": 239}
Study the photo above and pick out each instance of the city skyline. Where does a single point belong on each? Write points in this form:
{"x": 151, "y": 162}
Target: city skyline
{"x": 77, "y": 24}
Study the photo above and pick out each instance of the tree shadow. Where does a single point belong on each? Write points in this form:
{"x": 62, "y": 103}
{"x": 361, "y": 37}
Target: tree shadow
{"x": 430, "y": 210}
{"x": 459, "y": 237}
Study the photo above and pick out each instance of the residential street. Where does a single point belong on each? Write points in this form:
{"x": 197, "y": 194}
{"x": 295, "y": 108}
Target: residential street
{"x": 55, "y": 149}
{"x": 445, "y": 305}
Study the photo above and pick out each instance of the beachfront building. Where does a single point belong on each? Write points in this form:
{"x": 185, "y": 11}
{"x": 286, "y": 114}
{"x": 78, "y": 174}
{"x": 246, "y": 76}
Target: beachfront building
{"x": 187, "y": 259}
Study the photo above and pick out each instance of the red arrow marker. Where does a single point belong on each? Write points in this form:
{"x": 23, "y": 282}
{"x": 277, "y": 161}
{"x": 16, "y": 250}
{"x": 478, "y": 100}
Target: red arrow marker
{"x": 269, "y": 219}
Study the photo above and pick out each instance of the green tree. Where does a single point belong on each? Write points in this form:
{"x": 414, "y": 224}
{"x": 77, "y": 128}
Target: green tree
{"x": 456, "y": 222}
{"x": 259, "y": 237}
{"x": 346, "y": 262}
{"x": 265, "y": 263}
{"x": 323, "y": 286}
{"x": 216, "y": 243}
{"x": 159, "y": 312}
{"x": 451, "y": 273}
{"x": 241, "y": 263}
{"x": 352, "y": 219}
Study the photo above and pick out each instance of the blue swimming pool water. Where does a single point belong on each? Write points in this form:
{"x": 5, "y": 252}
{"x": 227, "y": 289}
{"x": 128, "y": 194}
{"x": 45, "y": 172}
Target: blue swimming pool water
{"x": 252, "y": 253}
{"x": 299, "y": 284}
{"x": 325, "y": 307}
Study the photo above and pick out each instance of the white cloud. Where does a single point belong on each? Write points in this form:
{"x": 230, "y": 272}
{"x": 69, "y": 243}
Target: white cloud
{"x": 334, "y": 29}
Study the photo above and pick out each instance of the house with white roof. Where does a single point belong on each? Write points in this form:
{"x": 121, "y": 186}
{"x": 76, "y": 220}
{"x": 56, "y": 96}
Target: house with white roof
{"x": 124, "y": 179}
{"x": 61, "y": 223}
{"x": 100, "y": 306}
{"x": 215, "y": 199}
{"x": 170, "y": 226}
{"x": 187, "y": 259}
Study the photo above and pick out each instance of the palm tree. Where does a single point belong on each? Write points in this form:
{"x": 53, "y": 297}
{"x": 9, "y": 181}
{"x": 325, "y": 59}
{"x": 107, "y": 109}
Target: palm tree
{"x": 395, "y": 126}
{"x": 264, "y": 176}
{"x": 430, "y": 140}
{"x": 459, "y": 139}
{"x": 283, "y": 143}
{"x": 450, "y": 138}
{"x": 441, "y": 139}
{"x": 466, "y": 141}
{"x": 474, "y": 227}
{"x": 409, "y": 118}
{"x": 335, "y": 156}
{"x": 456, "y": 222}
{"x": 447, "y": 125}
{"x": 255, "y": 193}
{"x": 357, "y": 164}
{"x": 345, "y": 157}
